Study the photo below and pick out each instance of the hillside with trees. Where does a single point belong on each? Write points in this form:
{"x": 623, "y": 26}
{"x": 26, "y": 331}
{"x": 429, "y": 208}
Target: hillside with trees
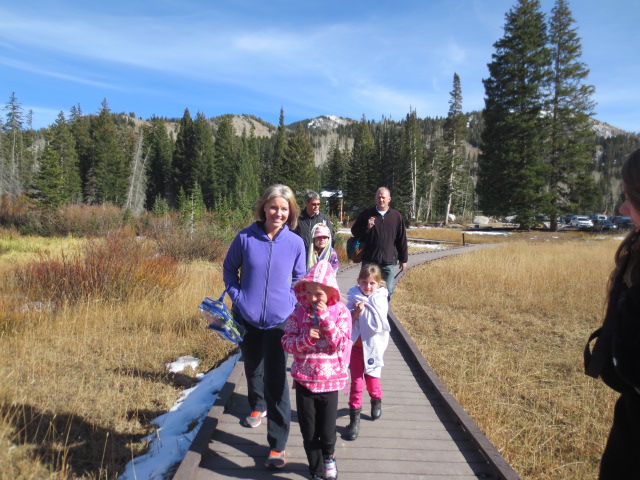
{"x": 534, "y": 149}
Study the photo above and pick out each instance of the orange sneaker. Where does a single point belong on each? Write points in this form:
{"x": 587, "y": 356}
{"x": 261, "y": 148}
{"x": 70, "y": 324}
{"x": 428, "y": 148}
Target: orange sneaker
{"x": 255, "y": 419}
{"x": 275, "y": 459}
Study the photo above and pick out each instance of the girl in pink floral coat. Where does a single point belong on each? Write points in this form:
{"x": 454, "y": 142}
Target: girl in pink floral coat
{"x": 318, "y": 335}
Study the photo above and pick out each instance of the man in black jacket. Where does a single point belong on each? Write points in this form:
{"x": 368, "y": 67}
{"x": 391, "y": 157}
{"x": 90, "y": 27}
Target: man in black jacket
{"x": 383, "y": 231}
{"x": 310, "y": 216}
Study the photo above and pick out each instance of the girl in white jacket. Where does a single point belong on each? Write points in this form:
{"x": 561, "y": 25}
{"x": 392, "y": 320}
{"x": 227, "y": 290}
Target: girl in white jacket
{"x": 369, "y": 304}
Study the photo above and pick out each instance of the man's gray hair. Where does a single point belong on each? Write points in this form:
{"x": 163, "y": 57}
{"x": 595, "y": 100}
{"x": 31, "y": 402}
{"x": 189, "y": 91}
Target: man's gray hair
{"x": 310, "y": 195}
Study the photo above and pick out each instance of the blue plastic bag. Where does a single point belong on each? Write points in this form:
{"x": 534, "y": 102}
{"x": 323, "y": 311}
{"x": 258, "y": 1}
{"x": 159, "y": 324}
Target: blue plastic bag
{"x": 221, "y": 320}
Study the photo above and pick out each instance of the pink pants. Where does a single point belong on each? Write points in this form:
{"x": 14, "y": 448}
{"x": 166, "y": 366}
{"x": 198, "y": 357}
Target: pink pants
{"x": 356, "y": 366}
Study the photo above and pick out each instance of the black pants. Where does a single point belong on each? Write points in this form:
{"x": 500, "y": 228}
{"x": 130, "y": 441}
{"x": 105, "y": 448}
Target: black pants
{"x": 265, "y": 366}
{"x": 621, "y": 457}
{"x": 317, "y": 414}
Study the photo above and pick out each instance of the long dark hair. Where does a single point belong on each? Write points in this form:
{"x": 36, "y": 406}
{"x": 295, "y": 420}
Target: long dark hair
{"x": 629, "y": 246}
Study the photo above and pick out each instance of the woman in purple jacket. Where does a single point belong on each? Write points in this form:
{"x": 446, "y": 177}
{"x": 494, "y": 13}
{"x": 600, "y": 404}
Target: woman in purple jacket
{"x": 264, "y": 261}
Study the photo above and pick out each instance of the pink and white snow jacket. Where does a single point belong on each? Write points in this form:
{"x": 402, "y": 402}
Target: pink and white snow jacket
{"x": 320, "y": 365}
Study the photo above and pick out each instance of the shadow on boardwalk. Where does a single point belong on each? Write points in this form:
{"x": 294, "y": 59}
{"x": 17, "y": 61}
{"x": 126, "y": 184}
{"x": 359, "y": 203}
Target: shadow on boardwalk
{"x": 422, "y": 434}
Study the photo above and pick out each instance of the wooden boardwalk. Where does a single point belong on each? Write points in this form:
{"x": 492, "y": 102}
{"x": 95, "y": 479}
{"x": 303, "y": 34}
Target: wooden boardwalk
{"x": 422, "y": 434}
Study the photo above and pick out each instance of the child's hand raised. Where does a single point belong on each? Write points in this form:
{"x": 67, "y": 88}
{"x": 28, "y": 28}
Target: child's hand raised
{"x": 320, "y": 306}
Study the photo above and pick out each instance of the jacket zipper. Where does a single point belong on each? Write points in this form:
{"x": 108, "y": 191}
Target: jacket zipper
{"x": 263, "y": 319}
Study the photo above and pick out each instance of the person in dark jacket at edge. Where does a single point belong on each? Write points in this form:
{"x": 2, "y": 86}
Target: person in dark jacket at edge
{"x": 616, "y": 354}
{"x": 311, "y": 216}
{"x": 385, "y": 237}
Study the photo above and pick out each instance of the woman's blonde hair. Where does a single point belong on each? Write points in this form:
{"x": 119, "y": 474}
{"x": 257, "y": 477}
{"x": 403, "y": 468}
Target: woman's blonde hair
{"x": 372, "y": 270}
{"x": 275, "y": 191}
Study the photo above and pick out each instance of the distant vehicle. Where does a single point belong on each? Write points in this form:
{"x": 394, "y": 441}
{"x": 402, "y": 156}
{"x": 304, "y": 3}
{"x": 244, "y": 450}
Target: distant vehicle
{"x": 605, "y": 225}
{"x": 567, "y": 218}
{"x": 581, "y": 221}
{"x": 624, "y": 222}
{"x": 597, "y": 217}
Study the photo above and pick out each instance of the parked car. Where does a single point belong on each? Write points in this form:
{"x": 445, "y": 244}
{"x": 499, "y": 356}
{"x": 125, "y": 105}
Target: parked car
{"x": 624, "y": 222}
{"x": 598, "y": 217}
{"x": 605, "y": 225}
{"x": 581, "y": 221}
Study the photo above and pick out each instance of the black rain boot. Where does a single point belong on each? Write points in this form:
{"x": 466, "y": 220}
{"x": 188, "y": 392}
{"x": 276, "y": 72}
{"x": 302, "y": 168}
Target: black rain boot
{"x": 376, "y": 408}
{"x": 353, "y": 429}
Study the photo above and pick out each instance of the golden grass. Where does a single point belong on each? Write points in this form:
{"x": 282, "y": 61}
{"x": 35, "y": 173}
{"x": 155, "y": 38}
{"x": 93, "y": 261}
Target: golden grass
{"x": 16, "y": 248}
{"x": 506, "y": 236}
{"x": 504, "y": 328}
{"x": 80, "y": 384}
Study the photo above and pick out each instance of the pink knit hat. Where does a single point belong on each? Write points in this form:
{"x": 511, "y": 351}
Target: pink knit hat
{"x": 321, "y": 230}
{"x": 322, "y": 273}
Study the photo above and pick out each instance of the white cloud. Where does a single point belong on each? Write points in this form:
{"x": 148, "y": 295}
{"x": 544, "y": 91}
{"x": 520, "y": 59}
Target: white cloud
{"x": 54, "y": 74}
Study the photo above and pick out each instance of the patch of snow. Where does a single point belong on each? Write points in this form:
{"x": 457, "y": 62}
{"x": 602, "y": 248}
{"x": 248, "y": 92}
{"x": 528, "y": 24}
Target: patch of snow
{"x": 327, "y": 122}
{"x": 468, "y": 232}
{"x": 182, "y": 363}
{"x": 426, "y": 246}
{"x": 173, "y": 437}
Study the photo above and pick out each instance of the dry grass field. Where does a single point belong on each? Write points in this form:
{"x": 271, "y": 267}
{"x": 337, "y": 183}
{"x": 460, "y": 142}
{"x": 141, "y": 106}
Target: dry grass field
{"x": 459, "y": 235}
{"x": 81, "y": 378}
{"x": 82, "y": 370}
{"x": 504, "y": 329}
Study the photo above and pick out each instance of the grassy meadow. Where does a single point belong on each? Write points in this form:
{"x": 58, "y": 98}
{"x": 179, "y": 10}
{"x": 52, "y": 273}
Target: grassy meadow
{"x": 504, "y": 328}
{"x": 87, "y": 326}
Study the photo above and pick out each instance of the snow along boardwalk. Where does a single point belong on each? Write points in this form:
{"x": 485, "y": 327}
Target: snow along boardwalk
{"x": 423, "y": 432}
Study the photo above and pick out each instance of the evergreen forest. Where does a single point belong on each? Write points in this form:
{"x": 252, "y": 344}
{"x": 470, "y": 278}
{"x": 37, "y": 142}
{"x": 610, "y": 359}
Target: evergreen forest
{"x": 535, "y": 149}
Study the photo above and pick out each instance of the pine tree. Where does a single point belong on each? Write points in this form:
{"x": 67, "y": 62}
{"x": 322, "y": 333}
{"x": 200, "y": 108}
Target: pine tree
{"x": 160, "y": 206}
{"x": 225, "y": 158}
{"x": 192, "y": 207}
{"x": 158, "y": 147}
{"x": 183, "y": 155}
{"x": 511, "y": 174}
{"x": 571, "y": 137}
{"x": 109, "y": 174}
{"x": 81, "y": 130}
{"x": 49, "y": 183}
{"x": 14, "y": 161}
{"x": 58, "y": 179}
{"x": 203, "y": 160}
{"x": 298, "y": 168}
{"x": 454, "y": 134}
{"x": 275, "y": 172}
{"x": 362, "y": 181}
{"x": 247, "y": 184}
{"x": 392, "y": 173}
{"x": 336, "y": 177}
{"x": 412, "y": 159}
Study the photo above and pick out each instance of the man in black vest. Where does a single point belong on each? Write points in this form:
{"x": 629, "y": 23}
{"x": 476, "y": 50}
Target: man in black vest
{"x": 383, "y": 231}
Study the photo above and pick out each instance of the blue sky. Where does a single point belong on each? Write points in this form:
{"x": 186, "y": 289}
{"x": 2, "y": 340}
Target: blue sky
{"x": 310, "y": 57}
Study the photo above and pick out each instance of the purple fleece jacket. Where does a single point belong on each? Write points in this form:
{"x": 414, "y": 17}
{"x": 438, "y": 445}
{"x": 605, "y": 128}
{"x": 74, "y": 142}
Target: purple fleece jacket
{"x": 260, "y": 273}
